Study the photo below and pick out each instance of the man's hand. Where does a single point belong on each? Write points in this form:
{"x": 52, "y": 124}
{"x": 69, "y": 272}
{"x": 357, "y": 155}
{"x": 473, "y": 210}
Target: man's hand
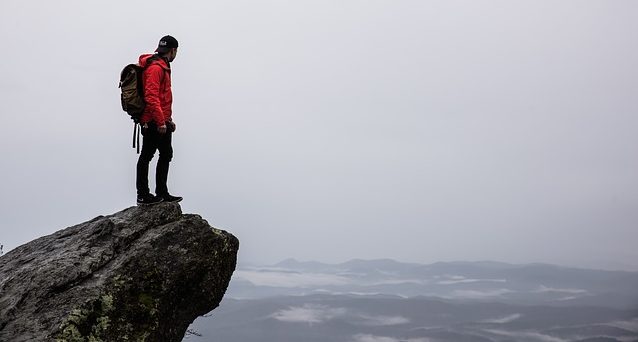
{"x": 173, "y": 126}
{"x": 162, "y": 129}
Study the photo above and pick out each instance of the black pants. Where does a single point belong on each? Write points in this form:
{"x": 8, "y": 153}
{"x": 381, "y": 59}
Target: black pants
{"x": 154, "y": 141}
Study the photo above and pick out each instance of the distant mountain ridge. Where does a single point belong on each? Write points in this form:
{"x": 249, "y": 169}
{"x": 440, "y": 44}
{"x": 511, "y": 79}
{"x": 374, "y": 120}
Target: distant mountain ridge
{"x": 483, "y": 281}
{"x": 294, "y": 263}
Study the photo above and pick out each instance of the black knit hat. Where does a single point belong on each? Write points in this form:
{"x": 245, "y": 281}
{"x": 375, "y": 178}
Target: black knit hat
{"x": 166, "y": 43}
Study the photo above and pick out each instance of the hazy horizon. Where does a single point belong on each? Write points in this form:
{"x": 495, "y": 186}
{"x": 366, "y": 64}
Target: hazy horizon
{"x": 609, "y": 267}
{"x": 420, "y": 131}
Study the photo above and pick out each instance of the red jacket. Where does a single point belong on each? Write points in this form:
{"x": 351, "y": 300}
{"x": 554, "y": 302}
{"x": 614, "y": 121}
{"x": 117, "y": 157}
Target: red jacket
{"x": 157, "y": 90}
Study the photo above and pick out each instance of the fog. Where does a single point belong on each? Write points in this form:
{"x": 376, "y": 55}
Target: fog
{"x": 421, "y": 131}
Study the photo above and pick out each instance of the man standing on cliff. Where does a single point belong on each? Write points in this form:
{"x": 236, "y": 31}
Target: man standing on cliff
{"x": 157, "y": 122}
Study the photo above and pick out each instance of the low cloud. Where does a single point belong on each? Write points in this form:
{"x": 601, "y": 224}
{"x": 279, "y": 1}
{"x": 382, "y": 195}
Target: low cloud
{"x": 545, "y": 289}
{"x": 316, "y": 313}
{"x": 373, "y": 338}
{"x": 472, "y": 294}
{"x": 631, "y": 325}
{"x": 309, "y": 313}
{"x": 503, "y": 320}
{"x": 526, "y": 336}
{"x": 450, "y": 279}
{"x": 564, "y": 299}
{"x": 465, "y": 281}
{"x": 401, "y": 282}
{"x": 378, "y": 321}
{"x": 290, "y": 279}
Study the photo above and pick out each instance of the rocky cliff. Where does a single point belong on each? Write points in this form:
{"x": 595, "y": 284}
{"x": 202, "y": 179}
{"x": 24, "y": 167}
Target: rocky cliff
{"x": 142, "y": 274}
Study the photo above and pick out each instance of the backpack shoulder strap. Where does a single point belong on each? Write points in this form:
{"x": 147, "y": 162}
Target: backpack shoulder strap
{"x": 150, "y": 61}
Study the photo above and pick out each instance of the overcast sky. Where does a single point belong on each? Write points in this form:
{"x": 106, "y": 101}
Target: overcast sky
{"x": 327, "y": 130}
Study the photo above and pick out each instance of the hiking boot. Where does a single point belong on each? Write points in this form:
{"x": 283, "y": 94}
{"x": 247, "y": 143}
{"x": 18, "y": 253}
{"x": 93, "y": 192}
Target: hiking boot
{"x": 148, "y": 199}
{"x": 170, "y": 198}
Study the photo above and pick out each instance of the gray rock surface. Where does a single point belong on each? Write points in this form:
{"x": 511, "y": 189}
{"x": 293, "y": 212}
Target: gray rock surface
{"x": 142, "y": 274}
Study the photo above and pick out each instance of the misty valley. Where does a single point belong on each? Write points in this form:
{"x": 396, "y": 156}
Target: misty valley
{"x": 389, "y": 301}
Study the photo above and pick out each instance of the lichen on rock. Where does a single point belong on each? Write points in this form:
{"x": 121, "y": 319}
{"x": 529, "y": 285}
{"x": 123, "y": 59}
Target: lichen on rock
{"x": 142, "y": 274}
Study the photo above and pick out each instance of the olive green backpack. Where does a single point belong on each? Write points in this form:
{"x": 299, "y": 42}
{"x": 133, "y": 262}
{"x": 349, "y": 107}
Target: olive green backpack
{"x": 132, "y": 95}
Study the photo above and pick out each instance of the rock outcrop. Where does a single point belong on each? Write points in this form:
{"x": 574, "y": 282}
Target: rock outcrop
{"x": 142, "y": 274}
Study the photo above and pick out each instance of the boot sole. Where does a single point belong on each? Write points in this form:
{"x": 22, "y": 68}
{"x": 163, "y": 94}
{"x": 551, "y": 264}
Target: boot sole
{"x": 143, "y": 204}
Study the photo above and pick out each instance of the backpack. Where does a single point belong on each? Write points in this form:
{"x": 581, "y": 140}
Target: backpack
{"x": 132, "y": 95}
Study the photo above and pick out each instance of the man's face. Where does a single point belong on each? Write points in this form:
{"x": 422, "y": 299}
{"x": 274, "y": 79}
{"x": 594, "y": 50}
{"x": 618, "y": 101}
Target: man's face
{"x": 172, "y": 54}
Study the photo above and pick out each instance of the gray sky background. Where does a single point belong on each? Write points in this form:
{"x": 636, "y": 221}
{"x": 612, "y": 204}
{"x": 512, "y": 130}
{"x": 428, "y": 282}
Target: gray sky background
{"x": 328, "y": 130}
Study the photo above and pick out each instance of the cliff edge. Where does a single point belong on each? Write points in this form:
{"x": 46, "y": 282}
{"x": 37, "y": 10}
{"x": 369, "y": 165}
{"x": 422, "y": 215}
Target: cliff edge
{"x": 142, "y": 274}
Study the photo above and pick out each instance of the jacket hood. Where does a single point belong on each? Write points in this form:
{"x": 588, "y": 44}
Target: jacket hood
{"x": 144, "y": 61}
